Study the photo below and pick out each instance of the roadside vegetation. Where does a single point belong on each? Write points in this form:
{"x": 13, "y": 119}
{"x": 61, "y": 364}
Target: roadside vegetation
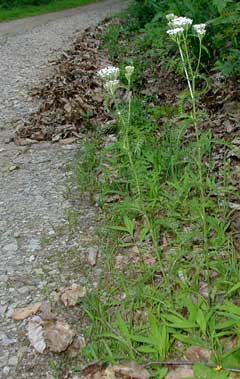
{"x": 14, "y": 9}
{"x": 165, "y": 171}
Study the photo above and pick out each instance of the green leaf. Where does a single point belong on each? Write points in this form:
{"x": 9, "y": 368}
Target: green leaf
{"x": 143, "y": 233}
{"x": 142, "y": 339}
{"x": 201, "y": 321}
{"x": 232, "y": 359}
{"x": 118, "y": 228}
{"x": 146, "y": 349}
{"x": 233, "y": 289}
{"x": 221, "y": 4}
{"x": 203, "y": 372}
{"x": 190, "y": 340}
{"x": 129, "y": 225}
{"x": 179, "y": 323}
{"x": 232, "y": 308}
{"x": 123, "y": 327}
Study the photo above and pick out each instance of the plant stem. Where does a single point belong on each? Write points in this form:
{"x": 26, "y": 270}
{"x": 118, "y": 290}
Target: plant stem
{"x": 191, "y": 85}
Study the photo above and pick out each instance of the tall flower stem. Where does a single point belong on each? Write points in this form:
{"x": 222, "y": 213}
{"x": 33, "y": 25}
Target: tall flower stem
{"x": 127, "y": 146}
{"x": 191, "y": 76}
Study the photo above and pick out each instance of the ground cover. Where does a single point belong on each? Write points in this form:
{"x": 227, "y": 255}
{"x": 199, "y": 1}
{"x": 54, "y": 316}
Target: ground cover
{"x": 26, "y": 9}
{"x": 166, "y": 179}
{"x": 164, "y": 168}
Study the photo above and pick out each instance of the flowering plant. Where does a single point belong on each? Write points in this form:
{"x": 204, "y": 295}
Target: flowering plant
{"x": 109, "y": 73}
{"x": 179, "y": 27}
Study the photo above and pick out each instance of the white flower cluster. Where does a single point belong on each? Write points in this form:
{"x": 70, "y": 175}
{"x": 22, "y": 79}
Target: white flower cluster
{"x": 178, "y": 24}
{"x": 111, "y": 86}
{"x": 200, "y": 29}
{"x": 170, "y": 16}
{"x": 109, "y": 73}
{"x": 129, "y": 70}
{"x": 174, "y": 32}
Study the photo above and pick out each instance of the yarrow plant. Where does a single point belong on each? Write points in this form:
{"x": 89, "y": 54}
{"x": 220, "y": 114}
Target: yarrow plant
{"x": 177, "y": 22}
{"x": 109, "y": 73}
{"x": 176, "y": 31}
{"x": 179, "y": 28}
{"x": 111, "y": 86}
{"x": 200, "y": 29}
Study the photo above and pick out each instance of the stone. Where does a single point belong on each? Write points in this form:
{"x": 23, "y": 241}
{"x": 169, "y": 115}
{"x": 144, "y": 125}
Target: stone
{"x": 13, "y": 361}
{"x": 92, "y": 255}
{"x": 10, "y": 247}
{"x": 24, "y": 290}
{"x": 34, "y": 244}
{"x": 6, "y": 370}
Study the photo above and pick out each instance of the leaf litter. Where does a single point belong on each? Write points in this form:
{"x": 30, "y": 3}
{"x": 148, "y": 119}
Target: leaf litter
{"x": 71, "y": 100}
{"x": 23, "y": 313}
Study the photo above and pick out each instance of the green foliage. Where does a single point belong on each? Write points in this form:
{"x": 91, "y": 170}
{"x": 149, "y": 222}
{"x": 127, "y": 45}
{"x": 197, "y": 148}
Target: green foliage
{"x": 203, "y": 372}
{"x": 165, "y": 214}
{"x": 138, "y": 316}
{"x": 223, "y": 26}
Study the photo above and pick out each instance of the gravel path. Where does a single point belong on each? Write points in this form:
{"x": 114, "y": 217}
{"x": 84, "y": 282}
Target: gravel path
{"x": 26, "y": 47}
{"x": 39, "y": 250}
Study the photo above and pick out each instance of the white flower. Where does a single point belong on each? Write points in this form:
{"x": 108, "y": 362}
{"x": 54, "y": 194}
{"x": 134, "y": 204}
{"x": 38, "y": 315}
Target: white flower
{"x": 175, "y": 32}
{"x": 111, "y": 86}
{"x": 178, "y": 22}
{"x": 170, "y": 16}
{"x": 200, "y": 29}
{"x": 109, "y": 73}
{"x": 128, "y": 72}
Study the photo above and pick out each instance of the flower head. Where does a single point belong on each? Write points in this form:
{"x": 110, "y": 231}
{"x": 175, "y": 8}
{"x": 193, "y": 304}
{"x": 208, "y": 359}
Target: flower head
{"x": 109, "y": 73}
{"x": 200, "y": 29}
{"x": 170, "y": 16}
{"x": 111, "y": 86}
{"x": 175, "y": 32}
{"x": 180, "y": 22}
{"x": 128, "y": 72}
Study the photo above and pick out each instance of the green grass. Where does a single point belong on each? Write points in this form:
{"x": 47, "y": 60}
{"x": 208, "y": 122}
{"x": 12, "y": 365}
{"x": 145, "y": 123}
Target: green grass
{"x": 28, "y": 11}
{"x": 164, "y": 287}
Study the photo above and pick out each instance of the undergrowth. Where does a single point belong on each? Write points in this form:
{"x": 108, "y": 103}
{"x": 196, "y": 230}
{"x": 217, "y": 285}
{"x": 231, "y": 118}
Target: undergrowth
{"x": 171, "y": 270}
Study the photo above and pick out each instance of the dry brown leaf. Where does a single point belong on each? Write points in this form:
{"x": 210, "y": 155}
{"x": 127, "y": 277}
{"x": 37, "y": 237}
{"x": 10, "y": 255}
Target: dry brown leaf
{"x": 68, "y": 141}
{"x": 58, "y": 335}
{"x": 229, "y": 343}
{"x": 70, "y": 296}
{"x": 91, "y": 369}
{"x": 130, "y": 370}
{"x": 35, "y": 334}
{"x": 46, "y": 311}
{"x": 76, "y": 346}
{"x": 23, "y": 313}
{"x": 180, "y": 373}
{"x": 198, "y": 353}
{"x": 108, "y": 373}
{"x": 204, "y": 289}
{"x": 127, "y": 370}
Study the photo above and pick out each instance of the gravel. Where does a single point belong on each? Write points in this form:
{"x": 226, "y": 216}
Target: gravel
{"x": 40, "y": 249}
{"x": 26, "y": 47}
